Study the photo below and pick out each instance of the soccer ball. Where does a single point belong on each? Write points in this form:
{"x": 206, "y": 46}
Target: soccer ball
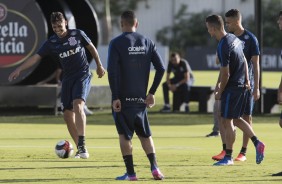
{"x": 64, "y": 149}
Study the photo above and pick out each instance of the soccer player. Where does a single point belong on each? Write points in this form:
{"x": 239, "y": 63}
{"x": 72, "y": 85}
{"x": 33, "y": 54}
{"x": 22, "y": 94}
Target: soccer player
{"x": 279, "y": 22}
{"x": 129, "y": 62}
{"x": 234, "y": 81}
{"x": 68, "y": 47}
{"x": 279, "y": 93}
{"x": 233, "y": 21}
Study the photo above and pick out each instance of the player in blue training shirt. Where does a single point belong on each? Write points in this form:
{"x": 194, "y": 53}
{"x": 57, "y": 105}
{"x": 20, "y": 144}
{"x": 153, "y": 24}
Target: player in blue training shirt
{"x": 279, "y": 93}
{"x": 233, "y": 19}
{"x": 68, "y": 47}
{"x": 234, "y": 82}
{"x": 129, "y": 60}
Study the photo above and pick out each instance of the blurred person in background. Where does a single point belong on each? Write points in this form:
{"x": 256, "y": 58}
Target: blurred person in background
{"x": 182, "y": 80}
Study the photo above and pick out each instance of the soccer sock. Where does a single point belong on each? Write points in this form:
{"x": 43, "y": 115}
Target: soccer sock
{"x": 128, "y": 160}
{"x": 224, "y": 147}
{"x": 228, "y": 153}
{"x": 243, "y": 151}
{"x": 255, "y": 140}
{"x": 81, "y": 141}
{"x": 153, "y": 161}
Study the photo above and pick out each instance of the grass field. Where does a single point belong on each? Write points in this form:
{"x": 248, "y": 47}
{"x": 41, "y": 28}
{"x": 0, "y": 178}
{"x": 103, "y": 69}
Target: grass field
{"x": 203, "y": 78}
{"x": 184, "y": 154}
{"x": 27, "y": 143}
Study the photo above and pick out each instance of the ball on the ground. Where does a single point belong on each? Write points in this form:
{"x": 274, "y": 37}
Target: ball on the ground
{"x": 64, "y": 149}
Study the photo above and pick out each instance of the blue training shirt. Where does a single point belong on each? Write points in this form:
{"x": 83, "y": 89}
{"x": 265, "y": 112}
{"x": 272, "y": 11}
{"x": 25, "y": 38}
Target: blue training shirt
{"x": 251, "y": 48}
{"x": 129, "y": 61}
{"x": 230, "y": 53}
{"x": 69, "y": 50}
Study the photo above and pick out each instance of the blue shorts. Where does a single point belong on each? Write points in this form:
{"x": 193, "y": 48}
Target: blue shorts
{"x": 132, "y": 119}
{"x": 250, "y": 103}
{"x": 233, "y": 102}
{"x": 75, "y": 88}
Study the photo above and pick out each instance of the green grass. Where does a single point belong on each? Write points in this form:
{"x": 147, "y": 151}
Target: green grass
{"x": 27, "y": 147}
{"x": 202, "y": 78}
{"x": 184, "y": 154}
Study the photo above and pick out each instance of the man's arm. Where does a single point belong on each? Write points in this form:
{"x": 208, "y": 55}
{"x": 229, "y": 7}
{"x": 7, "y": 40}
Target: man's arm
{"x": 279, "y": 96}
{"x": 224, "y": 77}
{"x": 159, "y": 67}
{"x": 27, "y": 64}
{"x": 247, "y": 79}
{"x": 256, "y": 92}
{"x": 113, "y": 67}
{"x": 93, "y": 51}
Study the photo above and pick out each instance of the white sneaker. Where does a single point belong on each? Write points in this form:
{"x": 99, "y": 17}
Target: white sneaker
{"x": 82, "y": 152}
{"x": 87, "y": 111}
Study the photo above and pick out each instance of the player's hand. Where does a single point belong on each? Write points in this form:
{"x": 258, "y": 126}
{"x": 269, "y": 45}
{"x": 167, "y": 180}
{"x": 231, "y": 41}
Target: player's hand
{"x": 150, "y": 100}
{"x": 217, "y": 95}
{"x": 248, "y": 85}
{"x": 116, "y": 105}
{"x": 100, "y": 71}
{"x": 256, "y": 94}
{"x": 279, "y": 98}
{"x": 14, "y": 75}
{"x": 173, "y": 87}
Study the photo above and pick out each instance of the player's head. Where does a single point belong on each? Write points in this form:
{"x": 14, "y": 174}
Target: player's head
{"x": 279, "y": 21}
{"x": 174, "y": 58}
{"x": 59, "y": 24}
{"x": 214, "y": 24}
{"x": 128, "y": 21}
{"x": 233, "y": 19}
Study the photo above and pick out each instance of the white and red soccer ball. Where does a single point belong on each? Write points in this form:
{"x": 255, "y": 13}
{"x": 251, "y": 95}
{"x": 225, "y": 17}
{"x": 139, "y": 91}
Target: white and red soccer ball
{"x": 64, "y": 149}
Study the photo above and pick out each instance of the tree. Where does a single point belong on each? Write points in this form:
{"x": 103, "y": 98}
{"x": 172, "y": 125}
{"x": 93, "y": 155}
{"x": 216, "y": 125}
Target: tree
{"x": 109, "y": 12}
{"x": 189, "y": 30}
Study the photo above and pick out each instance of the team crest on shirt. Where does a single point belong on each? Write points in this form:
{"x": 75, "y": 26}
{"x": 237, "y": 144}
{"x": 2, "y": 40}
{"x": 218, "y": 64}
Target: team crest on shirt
{"x": 246, "y": 37}
{"x": 72, "y": 41}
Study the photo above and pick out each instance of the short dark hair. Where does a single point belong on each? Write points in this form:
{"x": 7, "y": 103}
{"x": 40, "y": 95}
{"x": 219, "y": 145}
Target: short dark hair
{"x": 56, "y": 17}
{"x": 174, "y": 54}
{"x": 129, "y": 16}
{"x": 234, "y": 13}
{"x": 280, "y": 13}
{"x": 216, "y": 21}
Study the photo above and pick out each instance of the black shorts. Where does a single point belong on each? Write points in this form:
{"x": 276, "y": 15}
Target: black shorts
{"x": 130, "y": 120}
{"x": 233, "y": 102}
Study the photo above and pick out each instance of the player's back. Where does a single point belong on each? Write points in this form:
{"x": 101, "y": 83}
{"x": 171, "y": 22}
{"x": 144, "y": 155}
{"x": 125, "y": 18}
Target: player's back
{"x": 230, "y": 52}
{"x": 135, "y": 53}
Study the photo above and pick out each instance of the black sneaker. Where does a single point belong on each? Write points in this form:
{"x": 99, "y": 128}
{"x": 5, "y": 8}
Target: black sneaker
{"x": 213, "y": 134}
{"x": 277, "y": 174}
{"x": 81, "y": 152}
{"x": 165, "y": 109}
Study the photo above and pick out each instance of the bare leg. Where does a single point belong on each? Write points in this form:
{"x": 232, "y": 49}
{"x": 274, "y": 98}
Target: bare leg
{"x": 125, "y": 146}
{"x": 80, "y": 117}
{"x": 230, "y": 133}
{"x": 248, "y": 119}
{"x": 245, "y": 127}
{"x": 69, "y": 118}
{"x": 147, "y": 144}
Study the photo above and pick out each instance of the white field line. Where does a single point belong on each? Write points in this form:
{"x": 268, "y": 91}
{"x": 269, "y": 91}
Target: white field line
{"x": 106, "y": 147}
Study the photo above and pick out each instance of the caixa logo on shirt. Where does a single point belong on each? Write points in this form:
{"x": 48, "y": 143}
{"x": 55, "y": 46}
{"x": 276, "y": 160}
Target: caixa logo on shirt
{"x": 18, "y": 37}
{"x": 70, "y": 52}
{"x": 137, "y": 50}
{"x": 137, "y": 100}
